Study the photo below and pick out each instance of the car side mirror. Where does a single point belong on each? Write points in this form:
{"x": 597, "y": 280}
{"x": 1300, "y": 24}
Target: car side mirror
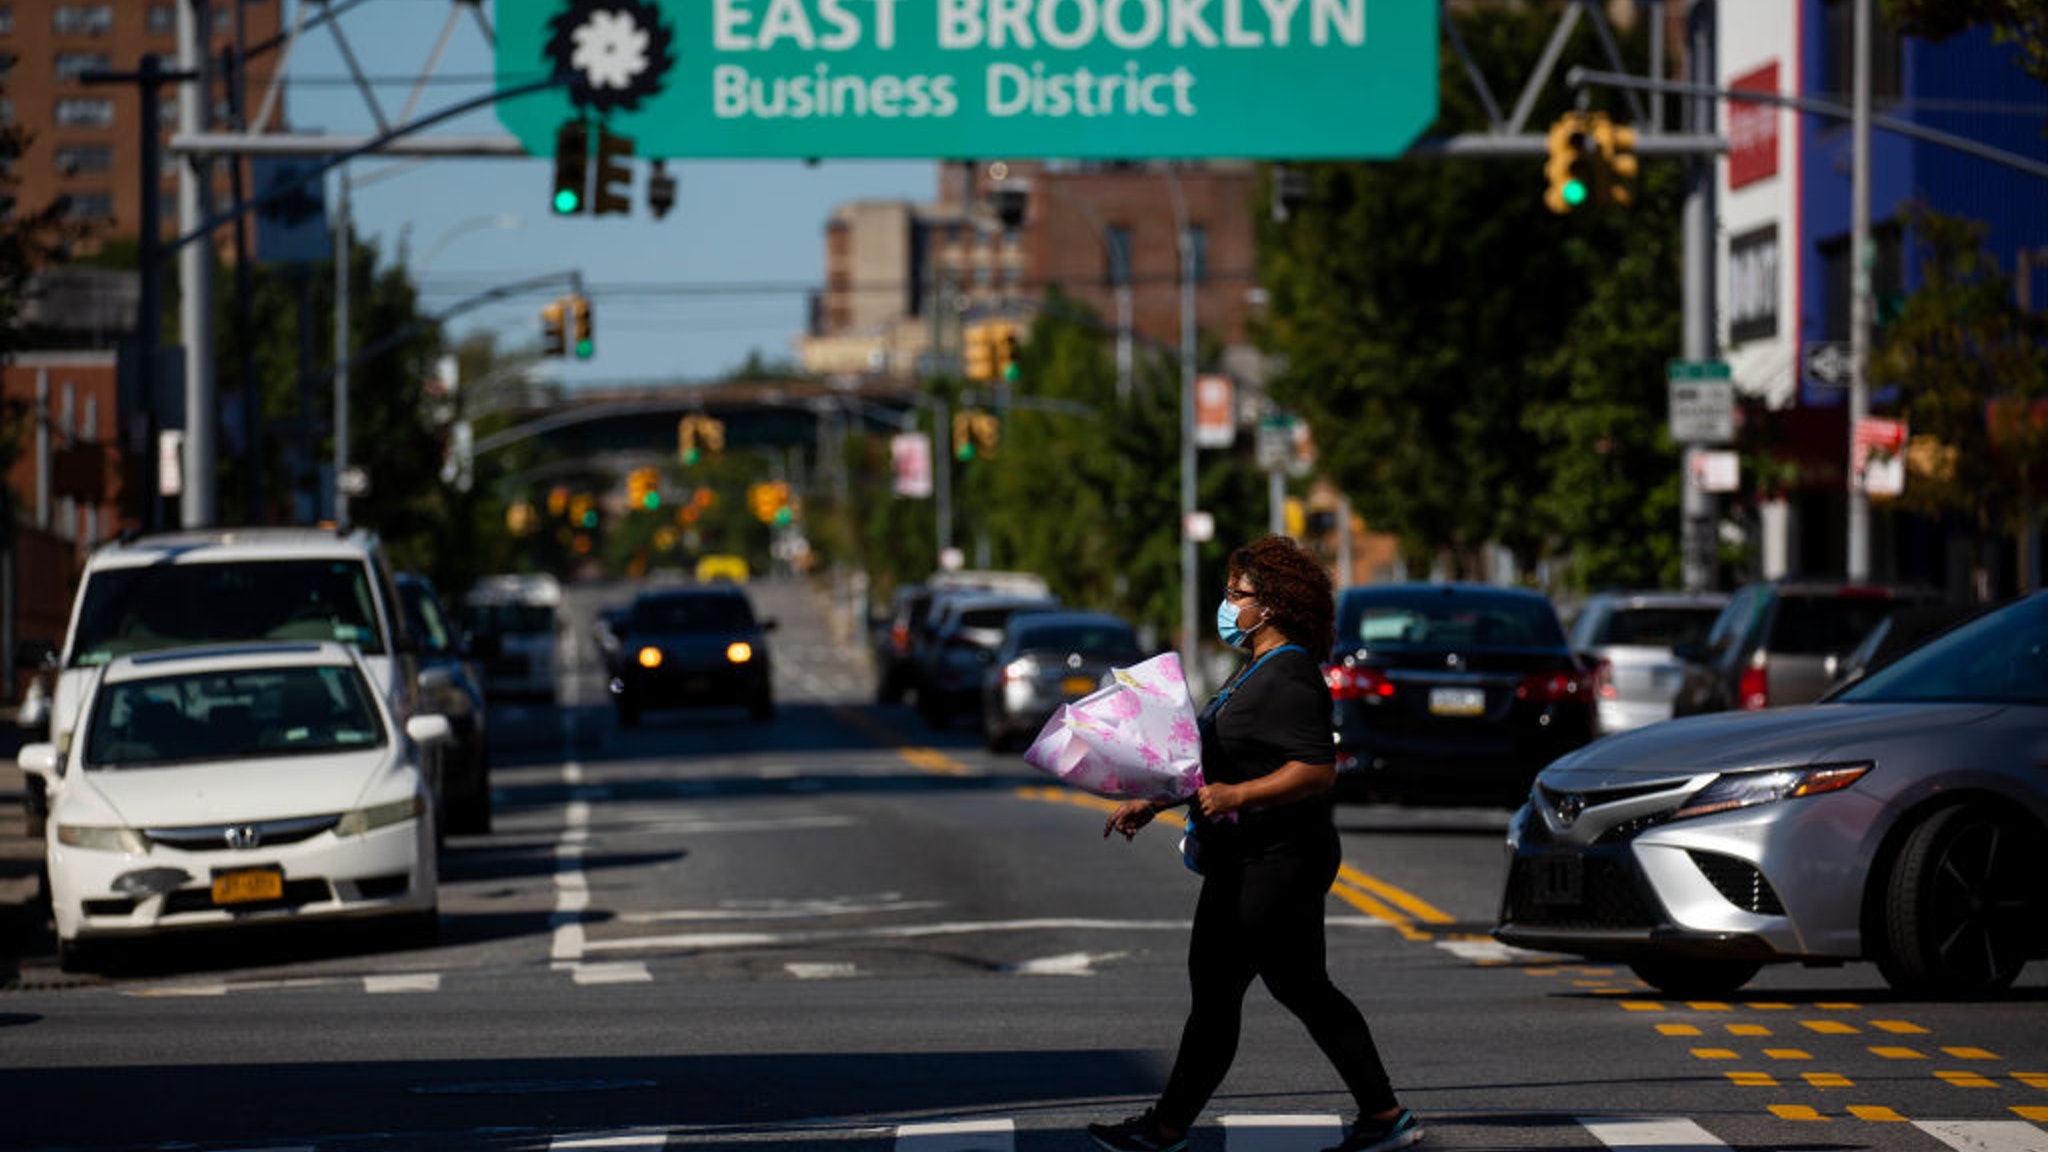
{"x": 428, "y": 728}
{"x": 770, "y": 624}
{"x": 38, "y": 760}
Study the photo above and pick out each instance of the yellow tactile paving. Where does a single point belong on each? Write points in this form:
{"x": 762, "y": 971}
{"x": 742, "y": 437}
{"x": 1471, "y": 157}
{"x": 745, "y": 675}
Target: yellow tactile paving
{"x": 2032, "y": 1079}
{"x": 1838, "y": 1006}
{"x": 1752, "y": 1079}
{"x": 1971, "y": 1053}
{"x": 1827, "y": 1080}
{"x": 1898, "y": 1027}
{"x": 1876, "y": 1112}
{"x": 2030, "y": 1112}
{"x": 1897, "y": 1053}
{"x": 1967, "y": 1079}
{"x": 1748, "y": 1030}
{"x": 1830, "y": 1027}
{"x": 1591, "y": 983}
{"x": 1707, "y": 1006}
{"x": 1641, "y": 1006}
{"x": 1679, "y": 1029}
{"x": 1787, "y": 1054}
{"x": 1796, "y": 1112}
{"x": 1767, "y": 1006}
{"x": 1715, "y": 1054}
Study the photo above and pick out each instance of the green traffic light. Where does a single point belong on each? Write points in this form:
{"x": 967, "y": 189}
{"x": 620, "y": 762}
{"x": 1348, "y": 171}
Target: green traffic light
{"x": 1574, "y": 192}
{"x": 691, "y": 456}
{"x": 584, "y": 348}
{"x": 651, "y": 501}
{"x": 964, "y": 453}
{"x": 1011, "y": 372}
{"x": 590, "y": 518}
{"x": 784, "y": 515}
{"x": 567, "y": 202}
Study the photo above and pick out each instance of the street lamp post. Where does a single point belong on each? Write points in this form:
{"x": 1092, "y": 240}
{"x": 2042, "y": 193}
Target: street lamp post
{"x": 1189, "y": 612}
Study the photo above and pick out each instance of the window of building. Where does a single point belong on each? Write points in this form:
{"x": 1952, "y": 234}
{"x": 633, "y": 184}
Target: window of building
{"x": 1118, "y": 254}
{"x": 82, "y": 19}
{"x": 89, "y": 430}
{"x": 6, "y": 19}
{"x": 84, "y": 159}
{"x": 162, "y": 20}
{"x": 1198, "y": 241}
{"x": 85, "y": 112}
{"x": 1838, "y": 64}
{"x": 71, "y": 64}
{"x": 91, "y": 206}
{"x": 6, "y": 110}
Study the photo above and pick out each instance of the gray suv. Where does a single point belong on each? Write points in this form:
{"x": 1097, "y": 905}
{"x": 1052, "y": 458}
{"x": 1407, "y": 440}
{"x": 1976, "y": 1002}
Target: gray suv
{"x": 1782, "y": 641}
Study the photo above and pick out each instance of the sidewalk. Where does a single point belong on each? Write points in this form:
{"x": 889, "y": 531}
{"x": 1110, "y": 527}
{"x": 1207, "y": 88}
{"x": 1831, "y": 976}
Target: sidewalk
{"x": 20, "y": 859}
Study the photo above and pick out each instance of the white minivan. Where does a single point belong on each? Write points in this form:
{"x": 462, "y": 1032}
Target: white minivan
{"x": 513, "y": 619}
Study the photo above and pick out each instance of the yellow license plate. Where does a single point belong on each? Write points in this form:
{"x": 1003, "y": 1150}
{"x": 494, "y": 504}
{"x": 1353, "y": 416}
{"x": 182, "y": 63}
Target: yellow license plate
{"x": 248, "y": 885}
{"x": 1077, "y": 685}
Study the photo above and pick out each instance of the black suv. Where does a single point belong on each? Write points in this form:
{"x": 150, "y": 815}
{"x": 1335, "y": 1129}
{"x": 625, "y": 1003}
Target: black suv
{"x": 681, "y": 647}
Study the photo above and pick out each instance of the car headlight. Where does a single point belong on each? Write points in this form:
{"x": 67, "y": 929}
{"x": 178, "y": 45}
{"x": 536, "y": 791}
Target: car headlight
{"x": 1747, "y": 789}
{"x": 649, "y": 657}
{"x": 102, "y": 838}
{"x": 377, "y": 816}
{"x": 739, "y": 652}
{"x": 1022, "y": 668}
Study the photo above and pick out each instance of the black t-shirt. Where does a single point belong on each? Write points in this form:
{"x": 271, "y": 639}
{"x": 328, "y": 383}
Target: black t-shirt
{"x": 1280, "y": 712}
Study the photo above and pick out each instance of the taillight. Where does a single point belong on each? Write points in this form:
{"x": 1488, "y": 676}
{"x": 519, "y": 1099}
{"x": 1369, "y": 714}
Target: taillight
{"x": 1350, "y": 682}
{"x": 899, "y": 637}
{"x": 1602, "y": 672}
{"x": 1753, "y": 690}
{"x": 1557, "y": 687}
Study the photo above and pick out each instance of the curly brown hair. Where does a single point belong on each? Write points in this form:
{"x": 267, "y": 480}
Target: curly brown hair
{"x": 1294, "y": 586}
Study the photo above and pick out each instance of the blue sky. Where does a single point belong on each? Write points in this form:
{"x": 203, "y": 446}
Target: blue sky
{"x": 660, "y": 288}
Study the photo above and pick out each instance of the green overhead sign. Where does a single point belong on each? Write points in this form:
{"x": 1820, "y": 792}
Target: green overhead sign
{"x": 1104, "y": 79}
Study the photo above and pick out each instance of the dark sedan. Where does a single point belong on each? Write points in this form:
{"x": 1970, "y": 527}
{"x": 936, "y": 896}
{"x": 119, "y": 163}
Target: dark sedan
{"x": 686, "y": 647}
{"x": 1453, "y": 692}
{"x": 1045, "y": 660}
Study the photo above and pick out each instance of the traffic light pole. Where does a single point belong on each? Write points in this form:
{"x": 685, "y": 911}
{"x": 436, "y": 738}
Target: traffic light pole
{"x": 1696, "y": 542}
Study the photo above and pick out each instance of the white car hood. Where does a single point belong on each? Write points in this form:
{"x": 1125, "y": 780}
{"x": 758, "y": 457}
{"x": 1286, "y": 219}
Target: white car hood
{"x": 238, "y": 791}
{"x": 1728, "y": 741}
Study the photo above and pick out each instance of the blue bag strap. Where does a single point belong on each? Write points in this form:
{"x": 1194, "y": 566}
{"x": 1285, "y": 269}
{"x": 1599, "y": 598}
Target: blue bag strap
{"x": 1247, "y": 673}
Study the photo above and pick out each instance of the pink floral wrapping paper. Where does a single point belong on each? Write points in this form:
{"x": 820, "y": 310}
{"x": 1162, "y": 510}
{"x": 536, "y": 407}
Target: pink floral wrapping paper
{"x": 1132, "y": 739}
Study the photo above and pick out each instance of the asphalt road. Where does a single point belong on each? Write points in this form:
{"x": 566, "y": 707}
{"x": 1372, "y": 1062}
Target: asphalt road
{"x": 845, "y": 931}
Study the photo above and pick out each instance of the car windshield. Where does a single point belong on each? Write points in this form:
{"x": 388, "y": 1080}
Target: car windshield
{"x": 1820, "y": 625}
{"x": 175, "y": 605}
{"x": 227, "y": 715}
{"x": 693, "y": 614}
{"x": 1115, "y": 639}
{"x": 1656, "y": 627}
{"x": 508, "y": 619}
{"x": 1433, "y": 619}
{"x": 2000, "y": 658}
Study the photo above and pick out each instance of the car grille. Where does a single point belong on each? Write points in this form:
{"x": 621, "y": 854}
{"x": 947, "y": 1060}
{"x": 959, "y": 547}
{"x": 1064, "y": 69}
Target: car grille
{"x": 1587, "y": 805}
{"x": 1739, "y": 881}
{"x": 1609, "y": 897}
{"x": 254, "y": 834}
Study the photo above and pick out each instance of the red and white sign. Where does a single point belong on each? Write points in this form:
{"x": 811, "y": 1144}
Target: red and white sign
{"x": 1753, "y": 129}
{"x": 1215, "y": 412}
{"x": 1877, "y": 456}
{"x": 910, "y": 458}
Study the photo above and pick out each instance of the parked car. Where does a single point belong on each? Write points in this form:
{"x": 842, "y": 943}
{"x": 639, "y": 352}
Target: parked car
{"x": 892, "y": 637}
{"x": 210, "y": 586}
{"x": 1632, "y": 635}
{"x": 961, "y": 635}
{"x": 1045, "y": 660}
{"x": 1900, "y": 633}
{"x": 210, "y": 787}
{"x": 513, "y": 621}
{"x": 1781, "y": 642}
{"x": 451, "y": 686}
{"x": 1453, "y": 691}
{"x": 692, "y": 647}
{"x": 1904, "y": 823}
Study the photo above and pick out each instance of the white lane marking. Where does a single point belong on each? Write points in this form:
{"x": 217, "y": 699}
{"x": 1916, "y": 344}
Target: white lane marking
{"x": 656, "y": 825}
{"x": 1490, "y": 952}
{"x": 403, "y": 982}
{"x": 630, "y": 972}
{"x": 886, "y": 932}
{"x": 1986, "y": 1135}
{"x": 654, "y": 1140}
{"x": 821, "y": 970}
{"x": 179, "y": 990}
{"x": 1281, "y": 1133}
{"x": 958, "y": 1136}
{"x": 1067, "y": 964}
{"x": 1665, "y": 1132}
{"x": 572, "y": 888}
{"x": 786, "y": 909}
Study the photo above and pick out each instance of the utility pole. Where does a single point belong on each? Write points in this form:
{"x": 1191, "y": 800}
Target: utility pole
{"x": 1696, "y": 525}
{"x": 341, "y": 364}
{"x": 197, "y": 505}
{"x": 1859, "y": 294}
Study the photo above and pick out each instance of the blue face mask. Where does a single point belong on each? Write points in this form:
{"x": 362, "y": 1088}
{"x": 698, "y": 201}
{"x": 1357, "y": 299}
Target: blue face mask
{"x": 1226, "y": 625}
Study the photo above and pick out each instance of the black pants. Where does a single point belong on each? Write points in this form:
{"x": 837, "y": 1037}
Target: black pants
{"x": 1264, "y": 917}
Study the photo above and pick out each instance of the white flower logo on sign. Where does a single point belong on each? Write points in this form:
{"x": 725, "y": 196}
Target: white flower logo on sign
{"x": 617, "y": 49}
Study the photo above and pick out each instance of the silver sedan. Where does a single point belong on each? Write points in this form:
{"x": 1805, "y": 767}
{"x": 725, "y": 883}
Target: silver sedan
{"x": 1903, "y": 822}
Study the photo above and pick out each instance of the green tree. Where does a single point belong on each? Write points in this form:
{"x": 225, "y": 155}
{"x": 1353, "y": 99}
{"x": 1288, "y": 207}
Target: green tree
{"x": 1477, "y": 369}
{"x": 1972, "y": 372}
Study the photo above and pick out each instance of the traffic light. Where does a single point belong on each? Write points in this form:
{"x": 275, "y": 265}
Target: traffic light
{"x": 1007, "y": 343}
{"x": 579, "y": 324}
{"x": 979, "y": 356}
{"x": 1617, "y": 143}
{"x": 554, "y": 317}
{"x": 1573, "y": 164}
{"x": 643, "y": 488}
{"x": 613, "y": 151}
{"x": 769, "y": 502}
{"x": 572, "y": 167}
{"x": 558, "y": 502}
{"x": 661, "y": 190}
{"x": 985, "y": 430}
{"x": 696, "y": 435}
{"x": 963, "y": 435}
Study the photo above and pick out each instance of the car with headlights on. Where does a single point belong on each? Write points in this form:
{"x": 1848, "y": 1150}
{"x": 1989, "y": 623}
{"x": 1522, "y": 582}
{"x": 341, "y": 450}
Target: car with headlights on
{"x": 1902, "y": 821}
{"x": 692, "y": 646}
{"x": 1453, "y": 692}
{"x": 1046, "y": 659}
{"x": 1633, "y": 636}
{"x": 205, "y": 788}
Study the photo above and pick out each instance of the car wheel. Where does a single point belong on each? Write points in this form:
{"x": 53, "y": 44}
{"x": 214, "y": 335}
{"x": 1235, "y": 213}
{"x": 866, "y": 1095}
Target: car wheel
{"x": 1961, "y": 903}
{"x": 73, "y": 956}
{"x": 1692, "y": 977}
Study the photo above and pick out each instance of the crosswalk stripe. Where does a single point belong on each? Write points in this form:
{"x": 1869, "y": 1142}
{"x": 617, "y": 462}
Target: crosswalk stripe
{"x": 1986, "y": 1135}
{"x": 1281, "y": 1133}
{"x": 626, "y": 973}
{"x": 583, "y": 1142}
{"x": 403, "y": 982}
{"x": 1662, "y": 1132}
{"x": 958, "y": 1136}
